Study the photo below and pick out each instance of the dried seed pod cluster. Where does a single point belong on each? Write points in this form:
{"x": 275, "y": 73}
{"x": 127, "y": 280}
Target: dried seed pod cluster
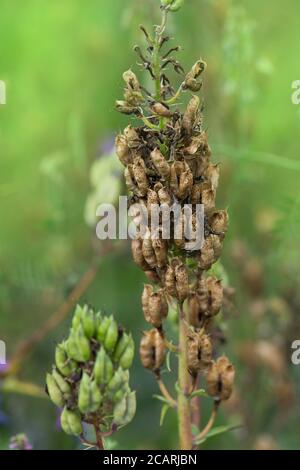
{"x": 90, "y": 377}
{"x": 167, "y": 162}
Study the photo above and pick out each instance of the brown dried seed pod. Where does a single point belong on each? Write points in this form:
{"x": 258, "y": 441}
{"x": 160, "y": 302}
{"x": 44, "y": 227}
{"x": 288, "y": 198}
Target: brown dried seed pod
{"x": 122, "y": 150}
{"x": 140, "y": 176}
{"x": 158, "y": 308}
{"x": 160, "y": 163}
{"x": 191, "y": 82}
{"x": 182, "y": 281}
{"x": 212, "y": 174}
{"x": 219, "y": 221}
{"x": 206, "y": 257}
{"x": 160, "y": 248}
{"x": 153, "y": 276}
{"x": 185, "y": 183}
{"x": 215, "y": 292}
{"x": 191, "y": 115}
{"x": 174, "y": 182}
{"x": 148, "y": 251}
{"x": 152, "y": 350}
{"x": 199, "y": 352}
{"x": 161, "y": 110}
{"x": 170, "y": 281}
{"x": 196, "y": 194}
{"x": 220, "y": 379}
{"x": 137, "y": 253}
{"x": 208, "y": 198}
{"x": 148, "y": 290}
{"x": 163, "y": 194}
{"x": 129, "y": 179}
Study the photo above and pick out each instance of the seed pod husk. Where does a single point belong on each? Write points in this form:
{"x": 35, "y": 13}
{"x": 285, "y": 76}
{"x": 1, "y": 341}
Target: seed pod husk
{"x": 152, "y": 350}
{"x": 199, "y": 352}
{"x": 213, "y": 174}
{"x": 160, "y": 163}
{"x": 55, "y": 394}
{"x": 220, "y": 379}
{"x": 64, "y": 364}
{"x": 103, "y": 368}
{"x": 123, "y": 150}
{"x": 191, "y": 115}
{"x": 219, "y": 221}
{"x": 182, "y": 281}
{"x": 125, "y": 409}
{"x": 89, "y": 396}
{"x": 139, "y": 173}
{"x": 111, "y": 336}
{"x": 125, "y": 108}
{"x": 148, "y": 251}
{"x": 71, "y": 422}
{"x": 170, "y": 281}
{"x": 161, "y": 110}
{"x": 137, "y": 253}
{"x": 215, "y": 291}
{"x": 160, "y": 248}
{"x": 78, "y": 346}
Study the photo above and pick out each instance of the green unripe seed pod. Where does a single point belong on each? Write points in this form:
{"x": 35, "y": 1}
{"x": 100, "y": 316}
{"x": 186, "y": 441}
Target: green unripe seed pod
{"x": 62, "y": 384}
{"x": 65, "y": 365}
{"x": 125, "y": 409}
{"x": 102, "y": 329}
{"x": 176, "y": 5}
{"x": 78, "y": 346}
{"x": 120, "y": 377}
{"x": 54, "y": 391}
{"x": 111, "y": 336}
{"x": 103, "y": 369}
{"x": 127, "y": 357}
{"x": 165, "y": 3}
{"x": 121, "y": 346}
{"x": 89, "y": 396}
{"x": 71, "y": 422}
{"x": 89, "y": 323}
{"x": 76, "y": 322}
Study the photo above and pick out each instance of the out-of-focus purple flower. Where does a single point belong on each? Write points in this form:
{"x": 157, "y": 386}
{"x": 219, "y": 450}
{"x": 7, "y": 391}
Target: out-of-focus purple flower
{"x": 20, "y": 442}
{"x": 107, "y": 145}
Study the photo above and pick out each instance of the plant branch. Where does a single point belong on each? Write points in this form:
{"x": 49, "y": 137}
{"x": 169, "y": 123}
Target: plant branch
{"x": 184, "y": 409}
{"x": 210, "y": 422}
{"x": 165, "y": 393}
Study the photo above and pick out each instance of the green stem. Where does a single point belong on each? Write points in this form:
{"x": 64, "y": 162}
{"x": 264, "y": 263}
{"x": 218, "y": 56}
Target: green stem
{"x": 184, "y": 380}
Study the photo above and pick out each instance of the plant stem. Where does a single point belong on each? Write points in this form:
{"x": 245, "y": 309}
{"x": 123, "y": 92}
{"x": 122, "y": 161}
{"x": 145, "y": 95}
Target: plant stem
{"x": 184, "y": 380}
{"x": 166, "y": 394}
{"x": 98, "y": 435}
{"x": 156, "y": 60}
{"x": 210, "y": 422}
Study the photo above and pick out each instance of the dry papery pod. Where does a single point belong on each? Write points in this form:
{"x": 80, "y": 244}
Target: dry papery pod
{"x": 220, "y": 379}
{"x": 155, "y": 251}
{"x": 218, "y": 222}
{"x": 155, "y": 305}
{"x": 138, "y": 257}
{"x": 206, "y": 301}
{"x": 181, "y": 180}
{"x": 190, "y": 82}
{"x": 161, "y": 109}
{"x": 192, "y": 116}
{"x": 210, "y": 252}
{"x": 160, "y": 164}
{"x": 187, "y": 229}
{"x": 203, "y": 193}
{"x": 199, "y": 350}
{"x": 152, "y": 350}
{"x": 177, "y": 280}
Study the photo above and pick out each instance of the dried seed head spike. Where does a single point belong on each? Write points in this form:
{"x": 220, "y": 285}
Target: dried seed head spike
{"x": 220, "y": 379}
{"x": 152, "y": 350}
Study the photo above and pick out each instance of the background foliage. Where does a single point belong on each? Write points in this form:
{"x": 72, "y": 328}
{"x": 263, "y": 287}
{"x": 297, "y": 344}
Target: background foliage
{"x": 62, "y": 62}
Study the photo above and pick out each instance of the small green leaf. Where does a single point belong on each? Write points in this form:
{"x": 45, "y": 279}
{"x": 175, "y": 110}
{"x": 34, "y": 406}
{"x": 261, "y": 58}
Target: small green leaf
{"x": 199, "y": 393}
{"x": 168, "y": 361}
{"x": 165, "y": 408}
{"x": 217, "y": 431}
{"x": 161, "y": 398}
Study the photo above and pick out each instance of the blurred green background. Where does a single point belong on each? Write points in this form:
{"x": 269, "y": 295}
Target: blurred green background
{"x": 62, "y": 62}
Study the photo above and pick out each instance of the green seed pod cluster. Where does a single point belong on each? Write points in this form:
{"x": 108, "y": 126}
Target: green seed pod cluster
{"x": 90, "y": 377}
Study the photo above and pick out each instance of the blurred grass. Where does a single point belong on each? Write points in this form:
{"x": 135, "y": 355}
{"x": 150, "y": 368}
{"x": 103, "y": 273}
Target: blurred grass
{"x": 62, "y": 63}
